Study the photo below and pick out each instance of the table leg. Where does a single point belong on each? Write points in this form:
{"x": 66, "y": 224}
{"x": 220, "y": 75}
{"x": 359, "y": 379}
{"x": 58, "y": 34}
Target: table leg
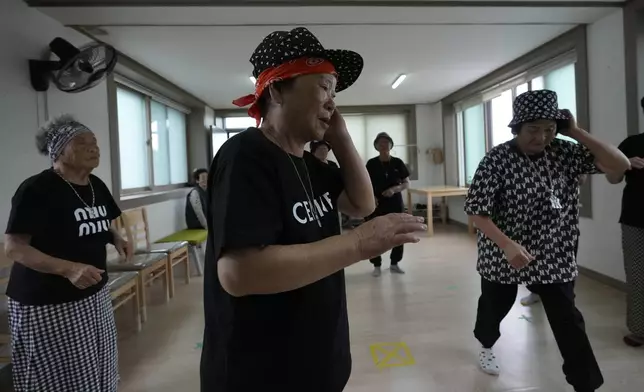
{"x": 430, "y": 216}
{"x": 443, "y": 210}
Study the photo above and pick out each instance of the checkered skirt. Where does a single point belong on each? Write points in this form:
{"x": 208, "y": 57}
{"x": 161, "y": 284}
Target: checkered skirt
{"x": 69, "y": 347}
{"x": 633, "y": 247}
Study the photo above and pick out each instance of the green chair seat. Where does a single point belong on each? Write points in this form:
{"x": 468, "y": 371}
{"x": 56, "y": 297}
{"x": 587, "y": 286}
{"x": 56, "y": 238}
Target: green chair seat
{"x": 138, "y": 262}
{"x": 163, "y": 247}
{"x": 118, "y": 279}
{"x": 192, "y": 236}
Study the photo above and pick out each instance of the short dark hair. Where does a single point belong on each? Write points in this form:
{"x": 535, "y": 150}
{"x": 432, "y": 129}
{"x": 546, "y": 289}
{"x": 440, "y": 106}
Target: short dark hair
{"x": 265, "y": 98}
{"x": 197, "y": 172}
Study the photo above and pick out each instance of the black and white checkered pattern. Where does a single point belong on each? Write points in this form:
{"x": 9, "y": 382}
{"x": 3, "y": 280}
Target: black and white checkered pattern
{"x": 537, "y": 105}
{"x": 511, "y": 188}
{"x": 281, "y": 46}
{"x": 633, "y": 246}
{"x": 64, "y": 347}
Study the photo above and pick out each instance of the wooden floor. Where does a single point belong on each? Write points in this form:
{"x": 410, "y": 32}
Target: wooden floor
{"x": 431, "y": 310}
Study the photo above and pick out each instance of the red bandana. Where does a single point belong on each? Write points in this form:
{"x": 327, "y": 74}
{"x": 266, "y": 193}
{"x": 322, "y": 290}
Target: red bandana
{"x": 290, "y": 69}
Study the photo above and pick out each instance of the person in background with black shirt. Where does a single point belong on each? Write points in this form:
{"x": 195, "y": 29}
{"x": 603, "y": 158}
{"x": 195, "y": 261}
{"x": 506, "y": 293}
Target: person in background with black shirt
{"x": 320, "y": 149}
{"x": 197, "y": 200}
{"x": 274, "y": 292}
{"x": 389, "y": 177}
{"x": 632, "y": 220}
{"x": 63, "y": 336}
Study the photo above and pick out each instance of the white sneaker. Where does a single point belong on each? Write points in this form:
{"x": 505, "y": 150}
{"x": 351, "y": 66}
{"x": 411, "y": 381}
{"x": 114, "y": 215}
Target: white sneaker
{"x": 530, "y": 299}
{"x": 376, "y": 272}
{"x": 487, "y": 362}
{"x": 395, "y": 269}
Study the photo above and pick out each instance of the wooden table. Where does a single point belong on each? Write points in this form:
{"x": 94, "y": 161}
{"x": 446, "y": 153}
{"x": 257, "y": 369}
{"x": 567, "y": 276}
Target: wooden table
{"x": 438, "y": 191}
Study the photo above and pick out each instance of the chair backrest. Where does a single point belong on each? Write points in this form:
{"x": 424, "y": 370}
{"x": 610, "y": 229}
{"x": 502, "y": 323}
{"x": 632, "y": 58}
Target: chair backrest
{"x": 135, "y": 223}
{"x": 112, "y": 254}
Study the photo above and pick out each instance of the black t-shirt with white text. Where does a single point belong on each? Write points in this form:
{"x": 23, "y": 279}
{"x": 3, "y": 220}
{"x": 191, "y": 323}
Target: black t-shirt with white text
{"x": 632, "y": 205}
{"x": 60, "y": 225}
{"x": 289, "y": 342}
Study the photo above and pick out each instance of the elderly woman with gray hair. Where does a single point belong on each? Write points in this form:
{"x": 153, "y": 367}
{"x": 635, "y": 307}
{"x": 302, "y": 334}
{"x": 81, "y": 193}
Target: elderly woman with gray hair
{"x": 63, "y": 336}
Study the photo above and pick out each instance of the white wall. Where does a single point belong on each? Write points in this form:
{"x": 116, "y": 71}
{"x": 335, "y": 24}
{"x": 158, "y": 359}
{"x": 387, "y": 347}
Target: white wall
{"x": 429, "y": 135}
{"x": 600, "y": 242}
{"x": 26, "y": 35}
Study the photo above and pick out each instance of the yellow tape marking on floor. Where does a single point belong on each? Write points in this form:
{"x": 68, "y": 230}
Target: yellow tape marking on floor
{"x": 388, "y": 355}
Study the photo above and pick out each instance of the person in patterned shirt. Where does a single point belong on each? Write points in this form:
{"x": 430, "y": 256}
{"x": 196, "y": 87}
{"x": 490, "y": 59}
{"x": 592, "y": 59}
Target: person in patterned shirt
{"x": 523, "y": 200}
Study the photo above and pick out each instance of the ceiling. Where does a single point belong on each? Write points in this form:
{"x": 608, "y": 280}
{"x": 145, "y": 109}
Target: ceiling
{"x": 205, "y": 50}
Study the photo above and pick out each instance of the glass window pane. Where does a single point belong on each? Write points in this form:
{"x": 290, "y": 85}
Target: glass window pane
{"x": 395, "y": 125}
{"x": 501, "y": 117}
{"x": 474, "y": 139}
{"x": 239, "y": 122}
{"x": 537, "y": 83}
{"x": 133, "y": 139}
{"x": 356, "y": 128}
{"x": 160, "y": 143}
{"x": 562, "y": 81}
{"x": 218, "y": 140}
{"x": 522, "y": 88}
{"x": 177, "y": 147}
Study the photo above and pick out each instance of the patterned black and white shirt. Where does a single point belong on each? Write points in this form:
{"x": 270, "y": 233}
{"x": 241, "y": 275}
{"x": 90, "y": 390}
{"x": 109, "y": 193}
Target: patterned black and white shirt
{"x": 513, "y": 190}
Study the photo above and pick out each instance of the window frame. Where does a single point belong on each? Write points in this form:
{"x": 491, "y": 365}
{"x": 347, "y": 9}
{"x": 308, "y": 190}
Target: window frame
{"x": 539, "y": 62}
{"x": 148, "y": 96}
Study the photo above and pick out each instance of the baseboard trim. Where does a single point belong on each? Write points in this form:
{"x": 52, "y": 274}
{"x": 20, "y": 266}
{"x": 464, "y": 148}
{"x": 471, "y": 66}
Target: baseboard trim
{"x": 604, "y": 279}
{"x": 457, "y": 223}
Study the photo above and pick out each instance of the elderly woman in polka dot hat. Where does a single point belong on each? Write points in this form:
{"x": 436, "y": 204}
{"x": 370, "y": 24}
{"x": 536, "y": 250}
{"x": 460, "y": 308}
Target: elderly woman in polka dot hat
{"x": 524, "y": 200}
{"x": 274, "y": 292}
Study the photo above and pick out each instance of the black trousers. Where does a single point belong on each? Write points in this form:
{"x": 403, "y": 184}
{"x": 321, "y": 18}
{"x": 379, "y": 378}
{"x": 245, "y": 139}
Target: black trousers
{"x": 579, "y": 364}
{"x": 389, "y": 206}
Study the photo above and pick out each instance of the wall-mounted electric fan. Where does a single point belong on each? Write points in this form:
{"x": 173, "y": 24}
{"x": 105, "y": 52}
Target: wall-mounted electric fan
{"x": 78, "y": 69}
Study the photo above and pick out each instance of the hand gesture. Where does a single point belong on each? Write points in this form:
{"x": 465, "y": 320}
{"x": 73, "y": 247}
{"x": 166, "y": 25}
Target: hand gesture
{"x": 83, "y": 275}
{"x": 123, "y": 247}
{"x": 572, "y": 123}
{"x": 383, "y": 233}
{"x": 337, "y": 128}
{"x": 517, "y": 255}
{"x": 637, "y": 163}
{"x": 389, "y": 192}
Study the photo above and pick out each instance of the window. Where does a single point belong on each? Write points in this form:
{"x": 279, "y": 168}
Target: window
{"x": 152, "y": 143}
{"x": 363, "y": 129}
{"x": 474, "y": 139}
{"x": 486, "y": 124}
{"x": 501, "y": 113}
{"x": 227, "y": 127}
{"x": 240, "y": 123}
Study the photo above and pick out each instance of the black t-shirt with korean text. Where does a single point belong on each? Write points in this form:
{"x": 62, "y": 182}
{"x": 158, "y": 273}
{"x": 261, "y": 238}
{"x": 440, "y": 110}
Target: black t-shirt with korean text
{"x": 60, "y": 225}
{"x": 289, "y": 342}
{"x": 633, "y": 196}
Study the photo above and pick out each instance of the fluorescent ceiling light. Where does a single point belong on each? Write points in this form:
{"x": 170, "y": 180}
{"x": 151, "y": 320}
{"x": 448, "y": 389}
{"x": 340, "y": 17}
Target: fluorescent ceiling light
{"x": 399, "y": 80}
{"x": 253, "y": 80}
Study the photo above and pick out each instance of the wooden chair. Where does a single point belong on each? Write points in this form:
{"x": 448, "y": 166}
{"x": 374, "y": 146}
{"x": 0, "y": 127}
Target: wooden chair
{"x": 124, "y": 287}
{"x": 5, "y": 336}
{"x": 150, "y": 267}
{"x": 135, "y": 222}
